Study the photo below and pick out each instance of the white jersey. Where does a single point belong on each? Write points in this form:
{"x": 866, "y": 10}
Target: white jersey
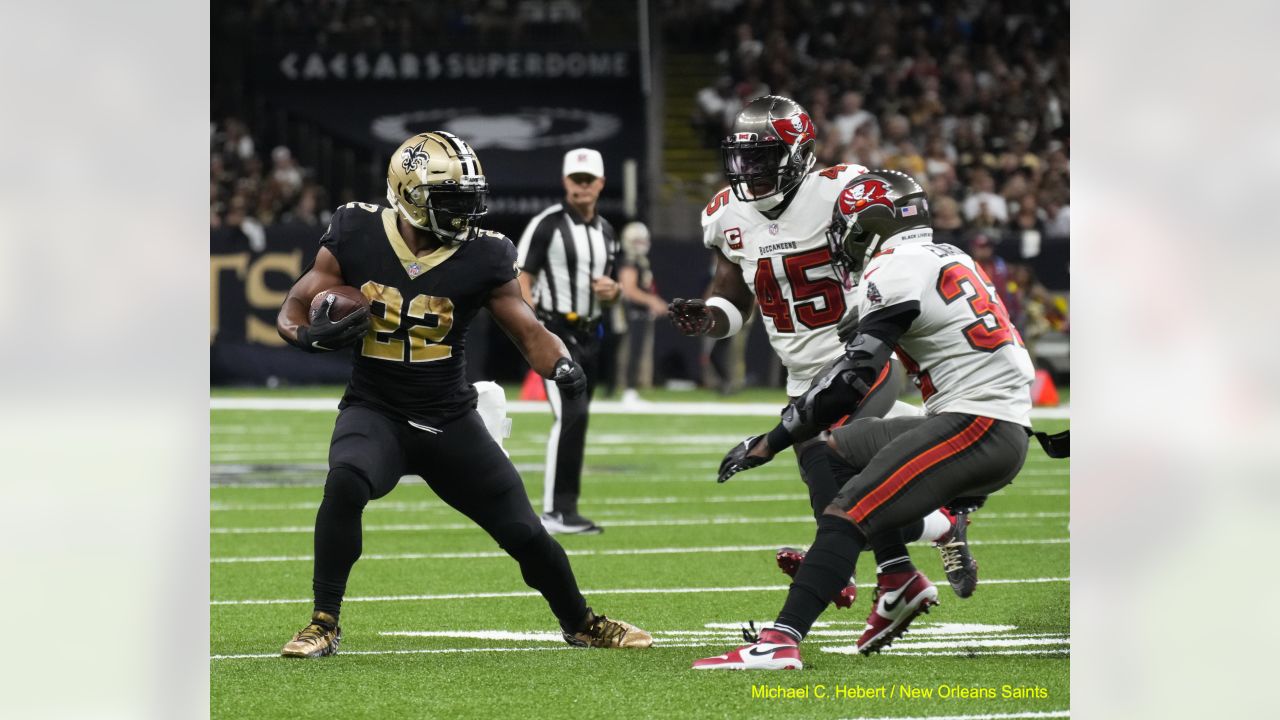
{"x": 965, "y": 353}
{"x": 787, "y": 265}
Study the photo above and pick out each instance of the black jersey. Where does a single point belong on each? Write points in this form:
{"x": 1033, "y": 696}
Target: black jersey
{"x": 411, "y": 364}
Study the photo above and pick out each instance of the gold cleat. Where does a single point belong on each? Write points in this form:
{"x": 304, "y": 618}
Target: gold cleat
{"x": 318, "y": 639}
{"x": 601, "y": 632}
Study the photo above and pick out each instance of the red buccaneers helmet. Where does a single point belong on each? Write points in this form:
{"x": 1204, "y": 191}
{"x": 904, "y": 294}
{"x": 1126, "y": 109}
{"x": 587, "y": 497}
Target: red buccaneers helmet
{"x": 770, "y": 149}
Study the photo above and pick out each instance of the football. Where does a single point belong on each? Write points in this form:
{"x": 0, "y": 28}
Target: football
{"x": 345, "y": 301}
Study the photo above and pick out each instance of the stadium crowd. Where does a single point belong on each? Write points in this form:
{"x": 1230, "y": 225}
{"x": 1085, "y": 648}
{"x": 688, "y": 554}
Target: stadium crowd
{"x": 398, "y": 24}
{"x": 970, "y": 98}
{"x": 247, "y": 194}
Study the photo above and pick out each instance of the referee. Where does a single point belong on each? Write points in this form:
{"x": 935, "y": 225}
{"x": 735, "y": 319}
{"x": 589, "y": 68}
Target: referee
{"x": 569, "y": 259}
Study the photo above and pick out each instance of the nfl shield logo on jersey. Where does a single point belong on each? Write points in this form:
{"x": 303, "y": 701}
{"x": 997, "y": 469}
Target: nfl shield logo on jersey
{"x": 415, "y": 270}
{"x": 773, "y": 228}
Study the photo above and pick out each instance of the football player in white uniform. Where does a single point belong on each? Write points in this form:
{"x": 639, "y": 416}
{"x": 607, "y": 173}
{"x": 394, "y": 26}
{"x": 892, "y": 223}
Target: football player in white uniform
{"x": 933, "y": 304}
{"x": 770, "y": 228}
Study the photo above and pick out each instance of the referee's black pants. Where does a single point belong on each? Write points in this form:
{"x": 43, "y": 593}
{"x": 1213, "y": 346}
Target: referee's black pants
{"x": 568, "y": 438}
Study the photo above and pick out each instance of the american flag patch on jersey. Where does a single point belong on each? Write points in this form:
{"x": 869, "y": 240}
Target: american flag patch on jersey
{"x": 908, "y": 210}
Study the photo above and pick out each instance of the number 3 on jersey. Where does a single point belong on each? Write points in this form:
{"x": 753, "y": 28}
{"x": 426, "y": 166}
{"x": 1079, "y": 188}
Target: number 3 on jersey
{"x": 993, "y": 329}
{"x": 807, "y": 292}
{"x": 423, "y": 338}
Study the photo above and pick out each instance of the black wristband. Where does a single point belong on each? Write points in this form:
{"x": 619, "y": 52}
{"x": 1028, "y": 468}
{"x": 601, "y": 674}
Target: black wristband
{"x": 779, "y": 439}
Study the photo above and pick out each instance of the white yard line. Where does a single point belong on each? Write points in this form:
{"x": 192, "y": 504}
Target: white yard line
{"x": 437, "y": 505}
{"x": 675, "y": 644}
{"x": 599, "y": 407}
{"x": 993, "y": 716}
{"x": 673, "y": 522}
{"x": 587, "y": 553}
{"x": 424, "y": 505}
{"x": 608, "y": 591}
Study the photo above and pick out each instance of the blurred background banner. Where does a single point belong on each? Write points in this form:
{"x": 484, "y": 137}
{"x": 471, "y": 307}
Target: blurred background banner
{"x": 246, "y": 288}
{"x": 521, "y": 110}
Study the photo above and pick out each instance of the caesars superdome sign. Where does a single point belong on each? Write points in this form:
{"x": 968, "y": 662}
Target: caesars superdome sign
{"x": 520, "y": 110}
{"x": 384, "y": 66}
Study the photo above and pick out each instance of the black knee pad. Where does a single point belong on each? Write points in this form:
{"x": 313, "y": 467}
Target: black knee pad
{"x": 348, "y": 487}
{"x": 829, "y": 523}
{"x": 518, "y": 538}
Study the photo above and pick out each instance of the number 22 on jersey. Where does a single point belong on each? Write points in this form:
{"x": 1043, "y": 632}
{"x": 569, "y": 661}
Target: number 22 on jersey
{"x": 807, "y": 293}
{"x": 386, "y": 308}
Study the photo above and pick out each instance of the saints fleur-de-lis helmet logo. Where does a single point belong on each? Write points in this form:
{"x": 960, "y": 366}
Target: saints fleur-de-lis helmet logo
{"x": 415, "y": 157}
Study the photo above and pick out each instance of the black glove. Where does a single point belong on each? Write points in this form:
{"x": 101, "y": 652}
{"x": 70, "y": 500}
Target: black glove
{"x": 737, "y": 459}
{"x": 325, "y": 335}
{"x": 570, "y": 377}
{"x": 691, "y": 317}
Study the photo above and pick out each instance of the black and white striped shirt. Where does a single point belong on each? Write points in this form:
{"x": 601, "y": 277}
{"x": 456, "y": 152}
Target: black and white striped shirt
{"x": 563, "y": 253}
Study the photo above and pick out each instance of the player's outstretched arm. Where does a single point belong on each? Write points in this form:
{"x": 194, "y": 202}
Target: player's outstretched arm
{"x": 545, "y": 352}
{"x": 845, "y": 384}
{"x": 293, "y": 323}
{"x": 721, "y": 315}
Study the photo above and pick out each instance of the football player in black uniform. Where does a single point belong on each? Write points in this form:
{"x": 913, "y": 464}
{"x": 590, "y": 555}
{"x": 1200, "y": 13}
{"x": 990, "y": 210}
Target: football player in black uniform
{"x": 426, "y": 270}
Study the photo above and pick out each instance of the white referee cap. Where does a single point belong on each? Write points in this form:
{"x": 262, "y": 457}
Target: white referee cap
{"x": 583, "y": 160}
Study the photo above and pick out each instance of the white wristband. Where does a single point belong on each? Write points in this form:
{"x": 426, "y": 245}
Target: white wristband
{"x": 731, "y": 313}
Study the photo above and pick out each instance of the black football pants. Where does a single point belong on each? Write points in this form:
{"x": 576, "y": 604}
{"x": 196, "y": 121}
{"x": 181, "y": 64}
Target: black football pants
{"x": 465, "y": 467}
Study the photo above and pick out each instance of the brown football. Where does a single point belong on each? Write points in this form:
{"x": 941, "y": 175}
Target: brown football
{"x": 345, "y": 301}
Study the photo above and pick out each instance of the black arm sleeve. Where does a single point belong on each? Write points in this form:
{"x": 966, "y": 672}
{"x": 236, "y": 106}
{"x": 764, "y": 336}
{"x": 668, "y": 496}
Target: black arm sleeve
{"x": 891, "y": 323}
{"x": 841, "y": 389}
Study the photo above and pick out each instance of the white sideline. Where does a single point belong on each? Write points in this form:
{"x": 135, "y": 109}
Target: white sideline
{"x": 599, "y": 407}
{"x": 995, "y": 716}
{"x": 609, "y": 591}
{"x": 680, "y": 522}
{"x": 586, "y": 553}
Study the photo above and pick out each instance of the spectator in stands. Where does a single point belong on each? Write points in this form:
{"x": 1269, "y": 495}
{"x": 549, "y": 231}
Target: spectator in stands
{"x": 285, "y": 172}
{"x": 1057, "y": 215}
{"x": 238, "y": 218}
{"x": 852, "y": 116}
{"x": 948, "y": 226}
{"x": 983, "y": 206}
{"x": 715, "y": 107}
{"x": 236, "y": 142}
{"x": 907, "y": 159}
{"x": 939, "y": 158}
{"x": 983, "y": 251}
{"x": 864, "y": 150}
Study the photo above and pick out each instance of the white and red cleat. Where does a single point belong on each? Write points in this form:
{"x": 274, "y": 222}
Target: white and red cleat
{"x": 772, "y": 651}
{"x": 789, "y": 560}
{"x": 901, "y": 597}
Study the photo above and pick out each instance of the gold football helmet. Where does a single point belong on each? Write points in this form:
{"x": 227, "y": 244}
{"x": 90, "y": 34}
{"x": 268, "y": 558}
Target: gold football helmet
{"x": 435, "y": 182}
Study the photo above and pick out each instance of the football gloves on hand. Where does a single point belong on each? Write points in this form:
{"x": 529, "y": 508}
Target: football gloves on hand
{"x": 738, "y": 458}
{"x": 569, "y": 376}
{"x": 691, "y": 317}
{"x": 325, "y": 335}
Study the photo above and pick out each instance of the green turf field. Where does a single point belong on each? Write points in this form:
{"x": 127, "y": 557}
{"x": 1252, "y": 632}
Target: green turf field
{"x": 439, "y": 624}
